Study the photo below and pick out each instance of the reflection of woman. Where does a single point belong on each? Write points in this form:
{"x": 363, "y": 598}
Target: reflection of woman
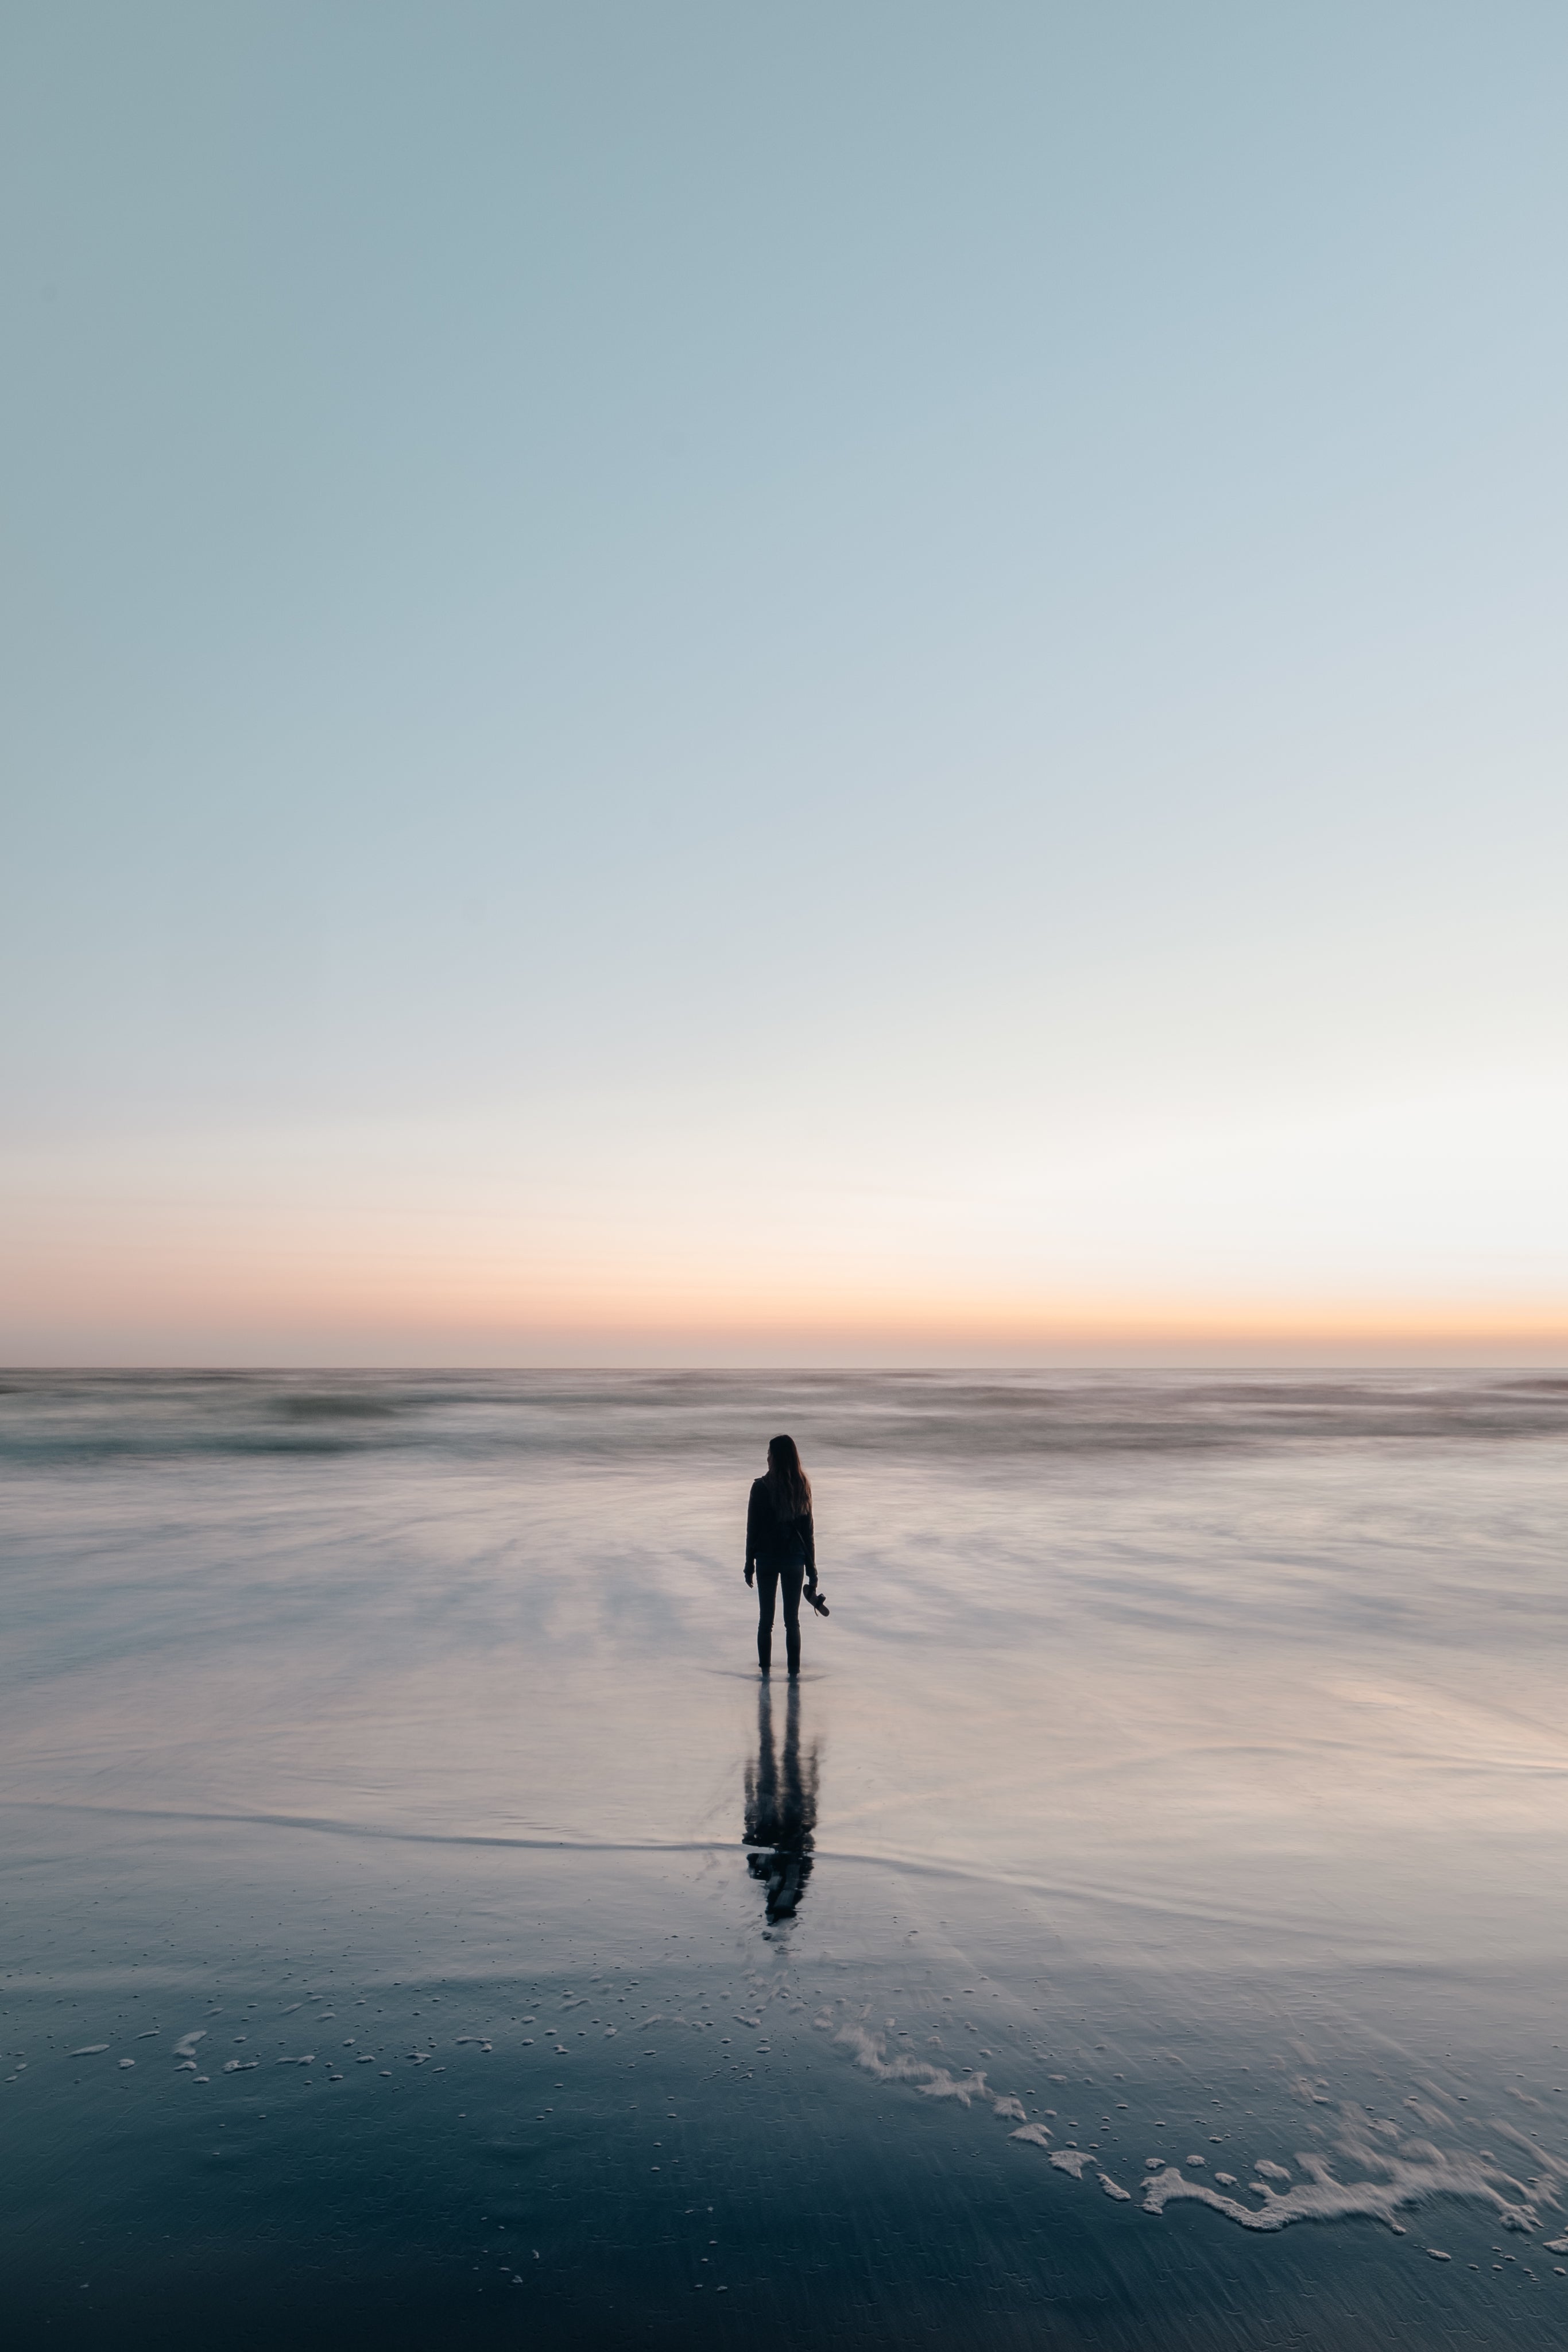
{"x": 780, "y": 1809}
{"x": 780, "y": 1549}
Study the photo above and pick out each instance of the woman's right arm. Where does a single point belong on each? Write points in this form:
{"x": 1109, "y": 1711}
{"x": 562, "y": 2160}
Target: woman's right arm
{"x": 751, "y": 1518}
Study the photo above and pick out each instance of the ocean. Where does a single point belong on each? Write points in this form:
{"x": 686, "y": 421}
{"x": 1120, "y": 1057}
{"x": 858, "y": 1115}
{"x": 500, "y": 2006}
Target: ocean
{"x": 1142, "y": 1926}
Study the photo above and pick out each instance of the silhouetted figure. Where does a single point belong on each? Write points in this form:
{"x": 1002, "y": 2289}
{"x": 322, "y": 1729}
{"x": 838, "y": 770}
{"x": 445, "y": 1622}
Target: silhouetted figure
{"x": 780, "y": 1549}
{"x": 780, "y": 1809}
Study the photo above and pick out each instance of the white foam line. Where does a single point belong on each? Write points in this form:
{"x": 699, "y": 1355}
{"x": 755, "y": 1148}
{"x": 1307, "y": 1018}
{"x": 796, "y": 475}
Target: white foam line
{"x": 1072, "y": 2160}
{"x": 932, "y": 2082}
{"x": 1420, "y": 2172}
{"x": 1321, "y": 2197}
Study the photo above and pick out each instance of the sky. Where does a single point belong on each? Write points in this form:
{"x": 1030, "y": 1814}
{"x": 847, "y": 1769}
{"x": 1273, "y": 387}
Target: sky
{"x": 723, "y": 684}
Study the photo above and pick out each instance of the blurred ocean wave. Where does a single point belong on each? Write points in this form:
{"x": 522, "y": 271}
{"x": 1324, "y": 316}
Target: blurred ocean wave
{"x": 52, "y": 1418}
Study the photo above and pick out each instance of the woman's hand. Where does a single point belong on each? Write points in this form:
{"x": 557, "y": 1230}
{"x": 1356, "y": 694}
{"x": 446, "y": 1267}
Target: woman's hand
{"x": 748, "y": 1571}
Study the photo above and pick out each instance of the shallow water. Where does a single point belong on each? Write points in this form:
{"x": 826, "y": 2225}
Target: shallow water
{"x": 1176, "y": 1792}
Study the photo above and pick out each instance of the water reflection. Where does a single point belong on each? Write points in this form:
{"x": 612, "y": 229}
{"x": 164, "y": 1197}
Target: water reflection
{"x": 781, "y": 1808}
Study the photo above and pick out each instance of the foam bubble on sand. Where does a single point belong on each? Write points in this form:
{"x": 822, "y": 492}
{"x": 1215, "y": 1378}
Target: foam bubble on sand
{"x": 944, "y": 2086}
{"x": 1272, "y": 2171}
{"x": 127, "y": 2062}
{"x": 1071, "y": 2159}
{"x": 1012, "y": 2110}
{"x": 241, "y": 2065}
{"x": 90, "y": 2050}
{"x": 1114, "y": 2188}
{"x": 1438, "y": 2255}
{"x": 186, "y": 2045}
{"x": 1036, "y": 2135}
{"x": 1557, "y": 2246}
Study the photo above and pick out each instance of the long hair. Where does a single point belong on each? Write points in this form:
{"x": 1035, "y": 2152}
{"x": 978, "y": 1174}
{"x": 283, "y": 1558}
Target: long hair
{"x": 786, "y": 1482}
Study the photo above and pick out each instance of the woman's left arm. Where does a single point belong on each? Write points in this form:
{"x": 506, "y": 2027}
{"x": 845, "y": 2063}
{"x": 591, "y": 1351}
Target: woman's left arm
{"x": 810, "y": 1535}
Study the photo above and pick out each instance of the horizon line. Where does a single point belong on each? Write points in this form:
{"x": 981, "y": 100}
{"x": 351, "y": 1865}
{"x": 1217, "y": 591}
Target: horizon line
{"x": 238, "y": 1368}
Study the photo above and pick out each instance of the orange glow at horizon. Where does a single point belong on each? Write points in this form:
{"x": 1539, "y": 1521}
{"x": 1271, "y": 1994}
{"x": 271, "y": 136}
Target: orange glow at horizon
{"x": 275, "y": 1297}
{"x": 1394, "y": 1239}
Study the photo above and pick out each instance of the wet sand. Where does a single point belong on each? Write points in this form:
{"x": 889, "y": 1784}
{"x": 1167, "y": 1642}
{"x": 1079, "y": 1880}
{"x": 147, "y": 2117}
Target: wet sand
{"x": 1141, "y": 1925}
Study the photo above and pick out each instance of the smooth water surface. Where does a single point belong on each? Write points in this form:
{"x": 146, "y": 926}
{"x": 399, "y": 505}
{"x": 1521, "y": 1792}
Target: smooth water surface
{"x": 1142, "y": 1925}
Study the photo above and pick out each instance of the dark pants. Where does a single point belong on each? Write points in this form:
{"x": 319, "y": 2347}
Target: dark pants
{"x": 769, "y": 1579}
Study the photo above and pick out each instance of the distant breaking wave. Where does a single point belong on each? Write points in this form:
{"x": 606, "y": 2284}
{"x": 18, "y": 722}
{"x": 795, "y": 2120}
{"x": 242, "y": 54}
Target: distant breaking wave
{"x": 82, "y": 1417}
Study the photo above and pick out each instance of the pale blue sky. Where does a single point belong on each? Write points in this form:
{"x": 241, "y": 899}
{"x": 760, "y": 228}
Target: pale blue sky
{"x": 835, "y": 648}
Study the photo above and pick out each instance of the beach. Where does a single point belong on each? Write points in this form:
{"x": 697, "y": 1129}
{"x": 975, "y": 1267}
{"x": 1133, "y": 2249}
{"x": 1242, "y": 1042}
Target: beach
{"x": 1142, "y": 1924}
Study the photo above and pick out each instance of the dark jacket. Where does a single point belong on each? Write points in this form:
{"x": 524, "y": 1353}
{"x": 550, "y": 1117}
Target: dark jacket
{"x": 773, "y": 1542}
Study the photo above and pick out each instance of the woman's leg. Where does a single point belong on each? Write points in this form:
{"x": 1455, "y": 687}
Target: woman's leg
{"x": 766, "y": 1593}
{"x": 793, "y": 1578}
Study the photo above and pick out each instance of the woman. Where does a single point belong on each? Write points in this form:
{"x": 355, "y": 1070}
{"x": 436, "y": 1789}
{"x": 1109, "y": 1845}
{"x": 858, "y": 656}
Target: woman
{"x": 780, "y": 1549}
